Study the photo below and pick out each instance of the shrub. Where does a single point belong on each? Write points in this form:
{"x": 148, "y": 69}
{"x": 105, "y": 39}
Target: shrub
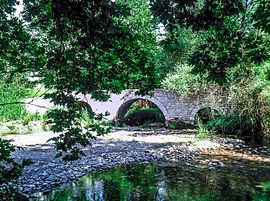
{"x": 204, "y": 133}
{"x": 177, "y": 124}
{"x": 133, "y": 108}
{"x": 251, "y": 95}
{"x": 248, "y": 97}
{"x": 31, "y": 117}
{"x": 142, "y": 112}
{"x": 232, "y": 125}
{"x": 144, "y": 115}
{"x": 182, "y": 80}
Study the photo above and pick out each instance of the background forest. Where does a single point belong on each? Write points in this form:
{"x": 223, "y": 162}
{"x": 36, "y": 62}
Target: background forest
{"x": 103, "y": 46}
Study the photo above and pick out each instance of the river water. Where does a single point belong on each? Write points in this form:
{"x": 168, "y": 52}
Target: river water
{"x": 161, "y": 183}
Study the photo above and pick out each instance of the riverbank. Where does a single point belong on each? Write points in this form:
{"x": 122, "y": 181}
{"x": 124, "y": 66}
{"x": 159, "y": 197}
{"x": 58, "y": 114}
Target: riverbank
{"x": 123, "y": 147}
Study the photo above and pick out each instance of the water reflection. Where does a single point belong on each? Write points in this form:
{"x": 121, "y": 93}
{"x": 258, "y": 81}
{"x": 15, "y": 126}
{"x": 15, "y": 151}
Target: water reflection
{"x": 155, "y": 183}
{"x": 94, "y": 190}
{"x": 161, "y": 187}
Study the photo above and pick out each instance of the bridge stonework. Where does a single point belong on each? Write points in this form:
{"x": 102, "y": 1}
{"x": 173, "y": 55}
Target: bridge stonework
{"x": 174, "y": 106}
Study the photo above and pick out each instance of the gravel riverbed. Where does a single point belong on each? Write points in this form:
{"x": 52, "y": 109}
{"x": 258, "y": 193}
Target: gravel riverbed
{"x": 121, "y": 147}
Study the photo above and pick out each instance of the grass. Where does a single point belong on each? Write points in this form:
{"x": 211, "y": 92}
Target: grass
{"x": 204, "y": 133}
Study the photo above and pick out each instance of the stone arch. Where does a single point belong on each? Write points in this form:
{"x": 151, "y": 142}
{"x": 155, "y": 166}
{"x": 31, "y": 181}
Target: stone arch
{"x": 85, "y": 106}
{"x": 127, "y": 102}
{"x": 201, "y": 107}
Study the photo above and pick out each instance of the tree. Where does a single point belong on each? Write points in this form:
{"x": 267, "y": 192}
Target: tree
{"x": 86, "y": 47}
{"x": 226, "y": 29}
{"x": 13, "y": 61}
{"x": 262, "y": 15}
{"x": 14, "y": 41}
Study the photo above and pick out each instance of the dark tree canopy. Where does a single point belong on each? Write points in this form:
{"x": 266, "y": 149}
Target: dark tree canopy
{"x": 14, "y": 40}
{"x": 262, "y": 15}
{"x": 227, "y": 28}
{"x": 90, "y": 47}
{"x": 198, "y": 14}
{"x": 86, "y": 47}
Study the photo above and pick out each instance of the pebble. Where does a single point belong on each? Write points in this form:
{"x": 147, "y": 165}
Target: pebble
{"x": 47, "y": 172}
{"x": 44, "y": 177}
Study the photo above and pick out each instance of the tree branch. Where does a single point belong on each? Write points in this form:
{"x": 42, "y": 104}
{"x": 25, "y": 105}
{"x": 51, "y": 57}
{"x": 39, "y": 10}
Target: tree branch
{"x": 20, "y": 102}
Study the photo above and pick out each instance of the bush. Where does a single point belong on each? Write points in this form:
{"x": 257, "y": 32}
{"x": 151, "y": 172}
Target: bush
{"x": 144, "y": 115}
{"x": 143, "y": 112}
{"x": 28, "y": 117}
{"x": 178, "y": 124}
{"x": 204, "y": 133}
{"x": 252, "y": 98}
{"x": 182, "y": 80}
{"x": 232, "y": 125}
{"x": 14, "y": 118}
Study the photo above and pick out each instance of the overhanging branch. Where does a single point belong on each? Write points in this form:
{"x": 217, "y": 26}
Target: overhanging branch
{"x": 24, "y": 103}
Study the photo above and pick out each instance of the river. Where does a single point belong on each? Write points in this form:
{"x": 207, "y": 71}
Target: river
{"x": 161, "y": 183}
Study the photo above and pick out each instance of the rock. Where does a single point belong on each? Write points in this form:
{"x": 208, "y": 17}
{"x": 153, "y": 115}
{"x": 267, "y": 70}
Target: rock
{"x": 215, "y": 165}
{"x": 264, "y": 152}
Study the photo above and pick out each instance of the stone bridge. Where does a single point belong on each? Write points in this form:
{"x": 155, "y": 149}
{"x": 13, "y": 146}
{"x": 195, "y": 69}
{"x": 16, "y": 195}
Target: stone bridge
{"x": 174, "y": 106}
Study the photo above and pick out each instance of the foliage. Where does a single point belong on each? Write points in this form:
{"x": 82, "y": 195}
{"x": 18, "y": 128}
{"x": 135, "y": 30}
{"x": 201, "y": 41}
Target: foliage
{"x": 220, "y": 53}
{"x": 206, "y": 114}
{"x": 89, "y": 48}
{"x": 234, "y": 125}
{"x": 226, "y": 31}
{"x": 183, "y": 81}
{"x": 14, "y": 58}
{"x": 140, "y": 20}
{"x": 31, "y": 117}
{"x": 262, "y": 194}
{"x": 10, "y": 93}
{"x": 262, "y": 15}
{"x": 251, "y": 114}
{"x": 232, "y": 50}
{"x": 75, "y": 131}
{"x": 252, "y": 108}
{"x": 197, "y": 14}
{"x": 14, "y": 117}
{"x": 262, "y": 86}
{"x": 180, "y": 43}
{"x": 144, "y": 116}
{"x": 136, "y": 106}
{"x": 143, "y": 112}
{"x": 9, "y": 168}
{"x": 106, "y": 55}
{"x": 176, "y": 124}
{"x": 175, "y": 49}
{"x": 204, "y": 133}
